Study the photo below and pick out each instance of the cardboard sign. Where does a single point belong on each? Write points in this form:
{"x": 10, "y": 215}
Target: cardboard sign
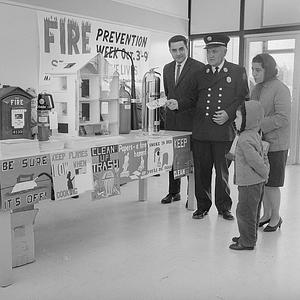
{"x": 133, "y": 161}
{"x": 160, "y": 155}
{"x": 25, "y": 181}
{"x": 105, "y": 171}
{"x": 72, "y": 173}
{"x": 182, "y": 164}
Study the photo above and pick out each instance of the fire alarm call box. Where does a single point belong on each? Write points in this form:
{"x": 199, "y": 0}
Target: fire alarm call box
{"x": 15, "y": 113}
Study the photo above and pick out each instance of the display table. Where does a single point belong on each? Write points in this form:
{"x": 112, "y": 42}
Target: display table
{"x": 97, "y": 165}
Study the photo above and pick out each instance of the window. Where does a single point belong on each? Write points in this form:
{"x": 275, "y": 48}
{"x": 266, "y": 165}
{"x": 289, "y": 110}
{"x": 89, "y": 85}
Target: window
{"x": 199, "y": 53}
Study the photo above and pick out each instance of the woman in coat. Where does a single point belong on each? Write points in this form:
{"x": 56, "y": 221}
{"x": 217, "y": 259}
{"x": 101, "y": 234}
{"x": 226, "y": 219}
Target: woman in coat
{"x": 275, "y": 98}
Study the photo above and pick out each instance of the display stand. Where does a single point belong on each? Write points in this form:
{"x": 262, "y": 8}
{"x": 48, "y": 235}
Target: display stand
{"x": 6, "y": 249}
{"x": 143, "y": 190}
{"x": 7, "y": 224}
{"x": 191, "y": 192}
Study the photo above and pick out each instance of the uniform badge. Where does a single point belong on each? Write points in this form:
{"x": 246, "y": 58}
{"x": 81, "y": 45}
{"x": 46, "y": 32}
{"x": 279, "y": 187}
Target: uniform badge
{"x": 225, "y": 70}
{"x": 209, "y": 38}
{"x": 228, "y": 79}
{"x": 207, "y": 70}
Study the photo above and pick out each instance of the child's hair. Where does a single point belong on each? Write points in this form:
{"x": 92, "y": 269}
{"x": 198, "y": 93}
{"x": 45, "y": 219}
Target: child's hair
{"x": 242, "y": 109}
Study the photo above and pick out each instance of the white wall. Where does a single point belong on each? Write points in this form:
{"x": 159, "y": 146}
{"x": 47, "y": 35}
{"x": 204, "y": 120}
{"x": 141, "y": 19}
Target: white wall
{"x": 224, "y": 15}
{"x": 19, "y": 50}
{"x": 115, "y": 11}
{"x": 214, "y": 16}
{"x": 263, "y": 13}
{"x": 278, "y": 12}
{"x": 176, "y": 8}
{"x": 19, "y": 53}
{"x": 159, "y": 45}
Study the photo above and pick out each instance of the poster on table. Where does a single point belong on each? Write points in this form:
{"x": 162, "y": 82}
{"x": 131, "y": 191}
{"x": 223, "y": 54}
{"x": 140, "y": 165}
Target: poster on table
{"x": 70, "y": 42}
{"x": 160, "y": 155}
{"x": 182, "y": 164}
{"x": 106, "y": 180}
{"x": 25, "y": 181}
{"x": 72, "y": 173}
{"x": 133, "y": 161}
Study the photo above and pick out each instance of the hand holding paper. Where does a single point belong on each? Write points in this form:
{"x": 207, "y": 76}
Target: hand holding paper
{"x": 172, "y": 104}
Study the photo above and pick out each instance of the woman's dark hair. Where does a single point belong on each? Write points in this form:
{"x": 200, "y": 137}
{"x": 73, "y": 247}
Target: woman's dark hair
{"x": 177, "y": 38}
{"x": 268, "y": 63}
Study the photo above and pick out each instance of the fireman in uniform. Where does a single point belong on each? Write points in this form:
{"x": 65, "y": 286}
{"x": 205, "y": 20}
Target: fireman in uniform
{"x": 222, "y": 87}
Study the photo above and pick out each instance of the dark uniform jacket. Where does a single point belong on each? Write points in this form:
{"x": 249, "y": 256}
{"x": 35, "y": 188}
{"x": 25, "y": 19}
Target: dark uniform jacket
{"x": 180, "y": 120}
{"x": 225, "y": 91}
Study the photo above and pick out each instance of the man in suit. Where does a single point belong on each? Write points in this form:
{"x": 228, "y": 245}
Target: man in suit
{"x": 177, "y": 77}
{"x": 222, "y": 87}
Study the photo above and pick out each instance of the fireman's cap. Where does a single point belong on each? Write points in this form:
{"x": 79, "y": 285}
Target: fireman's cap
{"x": 216, "y": 40}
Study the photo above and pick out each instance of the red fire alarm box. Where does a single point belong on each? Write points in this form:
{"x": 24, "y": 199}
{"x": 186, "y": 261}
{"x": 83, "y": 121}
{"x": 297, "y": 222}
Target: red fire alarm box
{"x": 15, "y": 113}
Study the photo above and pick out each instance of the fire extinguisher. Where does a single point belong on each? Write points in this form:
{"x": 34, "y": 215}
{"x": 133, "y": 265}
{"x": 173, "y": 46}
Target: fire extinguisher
{"x": 125, "y": 110}
{"x": 44, "y": 104}
{"x": 151, "y": 91}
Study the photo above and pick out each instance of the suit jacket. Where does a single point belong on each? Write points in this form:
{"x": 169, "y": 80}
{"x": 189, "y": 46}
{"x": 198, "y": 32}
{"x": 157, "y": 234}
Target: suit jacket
{"x": 225, "y": 91}
{"x": 180, "y": 120}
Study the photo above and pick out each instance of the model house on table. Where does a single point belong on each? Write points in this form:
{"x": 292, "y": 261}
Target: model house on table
{"x": 86, "y": 98}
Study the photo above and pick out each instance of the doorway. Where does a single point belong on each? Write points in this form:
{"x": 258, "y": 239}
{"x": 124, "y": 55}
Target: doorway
{"x": 285, "y": 48}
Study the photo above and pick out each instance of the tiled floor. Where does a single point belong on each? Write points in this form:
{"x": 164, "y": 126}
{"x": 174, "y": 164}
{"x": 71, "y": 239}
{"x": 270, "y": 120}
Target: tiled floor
{"x": 120, "y": 248}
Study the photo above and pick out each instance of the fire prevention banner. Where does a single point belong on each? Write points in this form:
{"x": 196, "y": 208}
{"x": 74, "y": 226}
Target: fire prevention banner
{"x": 105, "y": 171}
{"x": 72, "y": 173}
{"x": 67, "y": 40}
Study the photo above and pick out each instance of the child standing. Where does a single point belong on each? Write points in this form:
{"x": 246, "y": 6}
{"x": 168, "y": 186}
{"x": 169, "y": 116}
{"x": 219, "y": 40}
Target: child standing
{"x": 251, "y": 173}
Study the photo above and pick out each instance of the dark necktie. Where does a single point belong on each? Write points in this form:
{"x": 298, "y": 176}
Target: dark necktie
{"x": 177, "y": 73}
{"x": 216, "y": 72}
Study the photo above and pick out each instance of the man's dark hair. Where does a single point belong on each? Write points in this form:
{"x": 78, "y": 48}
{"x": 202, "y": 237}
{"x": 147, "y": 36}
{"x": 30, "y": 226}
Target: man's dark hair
{"x": 178, "y": 38}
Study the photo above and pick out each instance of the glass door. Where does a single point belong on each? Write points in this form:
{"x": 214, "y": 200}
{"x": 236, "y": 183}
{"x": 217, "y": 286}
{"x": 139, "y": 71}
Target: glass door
{"x": 286, "y": 51}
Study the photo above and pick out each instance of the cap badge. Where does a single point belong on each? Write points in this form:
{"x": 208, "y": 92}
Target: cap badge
{"x": 225, "y": 70}
{"x": 228, "y": 79}
{"x": 209, "y": 38}
{"x": 207, "y": 70}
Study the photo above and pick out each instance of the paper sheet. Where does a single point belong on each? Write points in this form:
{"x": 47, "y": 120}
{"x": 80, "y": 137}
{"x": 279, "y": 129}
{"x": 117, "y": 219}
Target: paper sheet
{"x": 157, "y": 103}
